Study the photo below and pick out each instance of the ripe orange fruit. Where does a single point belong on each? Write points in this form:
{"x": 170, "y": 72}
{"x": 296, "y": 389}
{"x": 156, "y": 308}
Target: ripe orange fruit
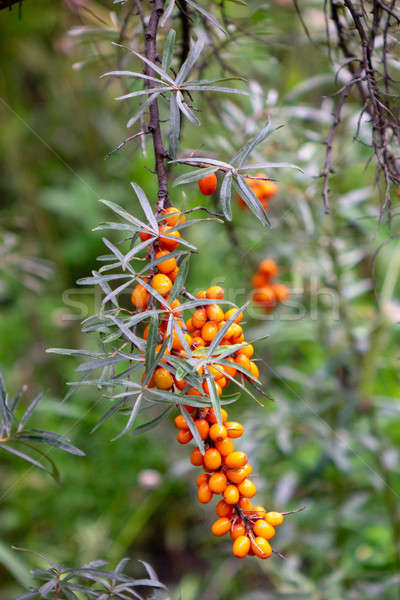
{"x": 223, "y": 509}
{"x": 269, "y": 189}
{"x": 264, "y": 297}
{"x": 281, "y": 292}
{"x": 254, "y": 369}
{"x": 209, "y": 331}
{"x": 264, "y": 529}
{"x": 221, "y": 526}
{"x": 144, "y": 236}
{"x": 217, "y": 388}
{"x": 196, "y": 457}
{"x": 180, "y": 422}
{"x": 234, "y": 429}
{"x": 275, "y": 518}
{"x": 201, "y": 294}
{"x": 230, "y": 370}
{"x": 174, "y": 274}
{"x": 217, "y": 432}
{"x": 162, "y": 284}
{"x": 163, "y": 379}
{"x": 243, "y": 361}
{"x": 231, "y": 494}
{"x": 215, "y": 292}
{"x": 229, "y": 313}
{"x": 218, "y": 483}
{"x": 204, "y": 494}
{"x": 199, "y": 318}
{"x": 260, "y": 280}
{"x": 247, "y": 350}
{"x": 197, "y": 342}
{"x": 245, "y": 504}
{"x": 247, "y": 488}
{"x": 184, "y": 436}
{"x": 215, "y": 313}
{"x": 202, "y": 427}
{"x": 224, "y": 447}
{"x": 140, "y": 297}
{"x": 237, "y": 530}
{"x": 202, "y": 478}
{"x": 212, "y": 459}
{"x": 268, "y": 268}
{"x": 208, "y": 185}
{"x": 211, "y": 417}
{"x": 261, "y": 512}
{"x": 261, "y": 547}
{"x": 168, "y": 243}
{"x": 168, "y": 265}
{"x": 236, "y": 475}
{"x": 236, "y": 459}
{"x": 173, "y": 216}
{"x": 241, "y": 546}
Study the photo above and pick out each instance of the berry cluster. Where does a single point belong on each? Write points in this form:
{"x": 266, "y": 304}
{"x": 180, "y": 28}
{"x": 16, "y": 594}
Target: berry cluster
{"x": 210, "y": 350}
{"x": 227, "y": 472}
{"x": 262, "y": 187}
{"x": 266, "y": 294}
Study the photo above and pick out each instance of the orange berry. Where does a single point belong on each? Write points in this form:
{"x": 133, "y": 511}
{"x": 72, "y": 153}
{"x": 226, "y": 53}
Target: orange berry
{"x": 146, "y": 332}
{"x": 212, "y": 459}
{"x": 264, "y": 529}
{"x": 231, "y": 494}
{"x": 202, "y": 478}
{"x": 248, "y": 469}
{"x": 261, "y": 547}
{"x": 215, "y": 313}
{"x": 237, "y": 530}
{"x": 215, "y": 292}
{"x": 275, "y": 518}
{"x": 193, "y": 392}
{"x": 174, "y": 274}
{"x": 180, "y": 422}
{"x": 168, "y": 243}
{"x": 204, "y": 494}
{"x": 144, "y": 236}
{"x": 184, "y": 436}
{"x": 264, "y": 297}
{"x": 209, "y": 331}
{"x": 212, "y": 418}
{"x": 168, "y": 265}
{"x": 181, "y": 384}
{"x": 189, "y": 325}
{"x": 221, "y": 526}
{"x": 217, "y": 387}
{"x": 229, "y": 313}
{"x": 234, "y": 429}
{"x": 254, "y": 369}
{"x": 140, "y": 297}
{"x": 230, "y": 370}
{"x": 236, "y": 475}
{"x": 281, "y": 292}
{"x": 216, "y": 372}
{"x": 247, "y": 488}
{"x": 208, "y": 185}
{"x": 202, "y": 294}
{"x": 217, "y": 432}
{"x": 259, "y": 280}
{"x": 245, "y": 504}
{"x": 236, "y": 459}
{"x": 173, "y": 216}
{"x": 224, "y": 447}
{"x": 234, "y": 331}
{"x": 196, "y": 458}
{"x": 243, "y": 361}
{"x": 241, "y": 546}
{"x": 218, "y": 483}
{"x": 269, "y": 268}
{"x": 162, "y": 284}
{"x": 223, "y": 509}
{"x": 269, "y": 189}
{"x": 247, "y": 350}
{"x": 199, "y": 318}
{"x": 202, "y": 427}
{"x": 163, "y": 379}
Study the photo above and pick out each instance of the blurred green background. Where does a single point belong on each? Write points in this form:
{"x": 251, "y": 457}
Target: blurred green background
{"x": 330, "y": 441}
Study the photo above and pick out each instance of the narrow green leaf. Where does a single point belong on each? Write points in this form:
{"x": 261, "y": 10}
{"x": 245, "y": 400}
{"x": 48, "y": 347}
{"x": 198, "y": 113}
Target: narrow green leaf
{"x": 249, "y": 197}
{"x": 143, "y": 107}
{"x": 194, "y": 176}
{"x": 175, "y": 126}
{"x": 168, "y": 50}
{"x": 193, "y": 429}
{"x": 207, "y": 15}
{"x": 225, "y": 195}
{"x": 213, "y": 396}
{"x": 192, "y": 57}
{"x": 181, "y": 278}
{"x": 151, "y": 343}
{"x": 145, "y": 204}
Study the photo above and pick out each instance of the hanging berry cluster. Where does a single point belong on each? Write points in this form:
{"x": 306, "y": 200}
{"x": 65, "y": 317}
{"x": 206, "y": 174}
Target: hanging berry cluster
{"x": 212, "y": 343}
{"x": 268, "y": 295}
{"x": 262, "y": 187}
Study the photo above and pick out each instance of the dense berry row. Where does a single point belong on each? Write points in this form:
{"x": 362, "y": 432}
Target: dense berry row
{"x": 267, "y": 295}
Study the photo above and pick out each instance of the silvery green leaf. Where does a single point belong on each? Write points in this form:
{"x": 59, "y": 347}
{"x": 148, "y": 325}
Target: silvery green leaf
{"x": 152, "y": 65}
{"x": 145, "y": 92}
{"x": 270, "y": 165}
{"x": 210, "y": 161}
{"x": 167, "y": 13}
{"x": 168, "y": 50}
{"x": 132, "y": 74}
{"x": 191, "y": 59}
{"x": 143, "y": 107}
{"x": 181, "y": 278}
{"x": 194, "y": 176}
{"x": 111, "y": 295}
{"x": 214, "y": 343}
{"x": 193, "y": 429}
{"x": 22, "y": 455}
{"x": 207, "y": 15}
{"x": 127, "y": 216}
{"x": 184, "y": 108}
{"x": 145, "y": 204}
{"x": 211, "y": 88}
{"x": 151, "y": 342}
{"x": 249, "y": 197}
{"x": 212, "y": 390}
{"x": 29, "y": 411}
{"x": 244, "y": 152}
{"x": 225, "y": 195}
{"x": 132, "y": 417}
{"x": 175, "y": 125}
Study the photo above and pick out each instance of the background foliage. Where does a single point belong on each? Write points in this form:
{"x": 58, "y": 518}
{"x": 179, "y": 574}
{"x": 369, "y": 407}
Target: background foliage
{"x": 331, "y": 439}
